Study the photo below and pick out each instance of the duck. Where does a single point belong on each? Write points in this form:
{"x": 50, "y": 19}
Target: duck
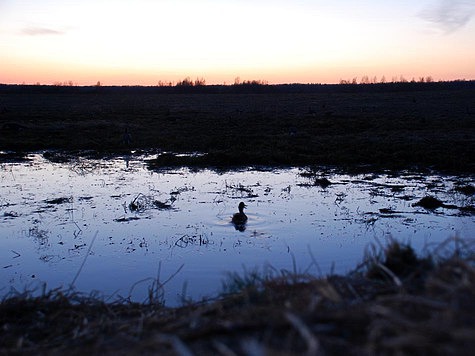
{"x": 240, "y": 218}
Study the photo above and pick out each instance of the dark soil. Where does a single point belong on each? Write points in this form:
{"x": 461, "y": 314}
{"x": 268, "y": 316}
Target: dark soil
{"x": 396, "y": 126}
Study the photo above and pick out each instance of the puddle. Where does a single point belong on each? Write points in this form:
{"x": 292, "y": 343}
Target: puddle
{"x": 114, "y": 226}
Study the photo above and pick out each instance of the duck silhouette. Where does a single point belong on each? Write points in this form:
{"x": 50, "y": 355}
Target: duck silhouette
{"x": 239, "y": 219}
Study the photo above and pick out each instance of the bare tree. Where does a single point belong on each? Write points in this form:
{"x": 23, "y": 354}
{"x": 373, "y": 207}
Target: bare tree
{"x": 200, "y": 82}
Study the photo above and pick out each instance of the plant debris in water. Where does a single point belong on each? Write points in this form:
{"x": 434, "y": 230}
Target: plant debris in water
{"x": 57, "y": 201}
{"x": 468, "y": 190}
{"x": 127, "y": 219}
{"x": 394, "y": 303}
{"x": 162, "y": 205}
{"x": 322, "y": 182}
{"x": 144, "y": 202}
{"x": 10, "y": 214}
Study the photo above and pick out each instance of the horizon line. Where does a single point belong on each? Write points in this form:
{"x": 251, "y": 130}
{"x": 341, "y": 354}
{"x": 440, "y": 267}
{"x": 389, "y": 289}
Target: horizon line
{"x": 180, "y": 84}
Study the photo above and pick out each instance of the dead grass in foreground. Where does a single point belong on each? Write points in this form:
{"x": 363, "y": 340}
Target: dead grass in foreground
{"x": 395, "y": 303}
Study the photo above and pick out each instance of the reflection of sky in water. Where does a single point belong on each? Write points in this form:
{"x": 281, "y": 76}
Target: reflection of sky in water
{"x": 46, "y": 242}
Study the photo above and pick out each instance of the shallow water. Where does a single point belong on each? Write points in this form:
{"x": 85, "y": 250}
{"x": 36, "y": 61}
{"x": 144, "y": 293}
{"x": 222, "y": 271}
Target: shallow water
{"x": 74, "y": 222}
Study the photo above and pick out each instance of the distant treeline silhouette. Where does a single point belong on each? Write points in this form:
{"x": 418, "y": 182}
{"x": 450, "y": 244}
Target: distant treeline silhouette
{"x": 252, "y": 86}
{"x": 199, "y": 82}
{"x": 187, "y": 82}
{"x": 374, "y": 80}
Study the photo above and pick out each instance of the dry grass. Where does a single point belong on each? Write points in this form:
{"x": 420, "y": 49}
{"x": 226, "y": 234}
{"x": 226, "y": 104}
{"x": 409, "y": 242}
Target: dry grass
{"x": 415, "y": 306}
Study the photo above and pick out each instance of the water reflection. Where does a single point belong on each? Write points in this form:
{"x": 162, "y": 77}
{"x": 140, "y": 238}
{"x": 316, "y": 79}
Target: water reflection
{"x": 150, "y": 225}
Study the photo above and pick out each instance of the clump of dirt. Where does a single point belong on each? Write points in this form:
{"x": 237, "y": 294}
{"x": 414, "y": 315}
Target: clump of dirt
{"x": 127, "y": 219}
{"x": 467, "y": 189}
{"x": 322, "y": 182}
{"x": 432, "y": 203}
{"x": 316, "y": 179}
{"x": 162, "y": 205}
{"x": 469, "y": 209}
{"x": 58, "y": 201}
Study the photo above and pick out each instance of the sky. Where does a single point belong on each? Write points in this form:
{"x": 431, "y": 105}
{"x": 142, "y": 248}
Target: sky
{"x": 142, "y": 42}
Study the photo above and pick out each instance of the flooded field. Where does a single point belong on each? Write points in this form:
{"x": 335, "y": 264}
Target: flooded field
{"x": 115, "y": 227}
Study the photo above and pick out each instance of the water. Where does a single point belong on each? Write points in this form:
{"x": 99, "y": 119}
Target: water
{"x": 74, "y": 222}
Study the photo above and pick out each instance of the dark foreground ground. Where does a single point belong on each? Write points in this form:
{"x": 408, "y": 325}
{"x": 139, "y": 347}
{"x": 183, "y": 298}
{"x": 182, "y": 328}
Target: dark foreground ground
{"x": 397, "y": 304}
{"x": 394, "y": 126}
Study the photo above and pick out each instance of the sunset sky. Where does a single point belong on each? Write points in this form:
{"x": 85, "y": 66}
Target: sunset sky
{"x": 141, "y": 42}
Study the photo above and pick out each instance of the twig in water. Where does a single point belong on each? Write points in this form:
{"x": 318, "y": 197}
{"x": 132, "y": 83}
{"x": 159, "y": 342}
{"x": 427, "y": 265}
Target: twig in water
{"x": 84, "y": 261}
{"x": 294, "y": 264}
{"x": 156, "y": 285}
{"x": 173, "y": 274}
{"x": 16, "y": 253}
{"x": 314, "y": 261}
{"x": 183, "y": 292}
{"x": 75, "y": 223}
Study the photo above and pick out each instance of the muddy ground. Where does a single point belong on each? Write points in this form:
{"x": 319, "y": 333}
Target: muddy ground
{"x": 385, "y": 126}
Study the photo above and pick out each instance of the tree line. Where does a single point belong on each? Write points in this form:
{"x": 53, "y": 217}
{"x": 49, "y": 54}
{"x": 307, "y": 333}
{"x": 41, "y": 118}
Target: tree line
{"x": 374, "y": 80}
{"x": 198, "y": 82}
{"x": 238, "y": 83}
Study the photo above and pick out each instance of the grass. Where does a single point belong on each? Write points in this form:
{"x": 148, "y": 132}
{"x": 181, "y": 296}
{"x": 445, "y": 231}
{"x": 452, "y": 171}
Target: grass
{"x": 394, "y": 303}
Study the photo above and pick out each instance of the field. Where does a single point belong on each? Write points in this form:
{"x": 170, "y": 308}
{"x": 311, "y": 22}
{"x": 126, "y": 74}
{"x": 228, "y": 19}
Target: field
{"x": 393, "y": 126}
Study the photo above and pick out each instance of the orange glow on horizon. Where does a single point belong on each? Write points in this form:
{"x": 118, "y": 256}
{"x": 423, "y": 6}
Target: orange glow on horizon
{"x": 44, "y": 72}
{"x": 144, "y": 42}
{"x": 43, "y": 75}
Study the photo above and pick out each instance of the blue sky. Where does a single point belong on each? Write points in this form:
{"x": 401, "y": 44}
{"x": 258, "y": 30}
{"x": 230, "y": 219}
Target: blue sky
{"x": 144, "y": 41}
